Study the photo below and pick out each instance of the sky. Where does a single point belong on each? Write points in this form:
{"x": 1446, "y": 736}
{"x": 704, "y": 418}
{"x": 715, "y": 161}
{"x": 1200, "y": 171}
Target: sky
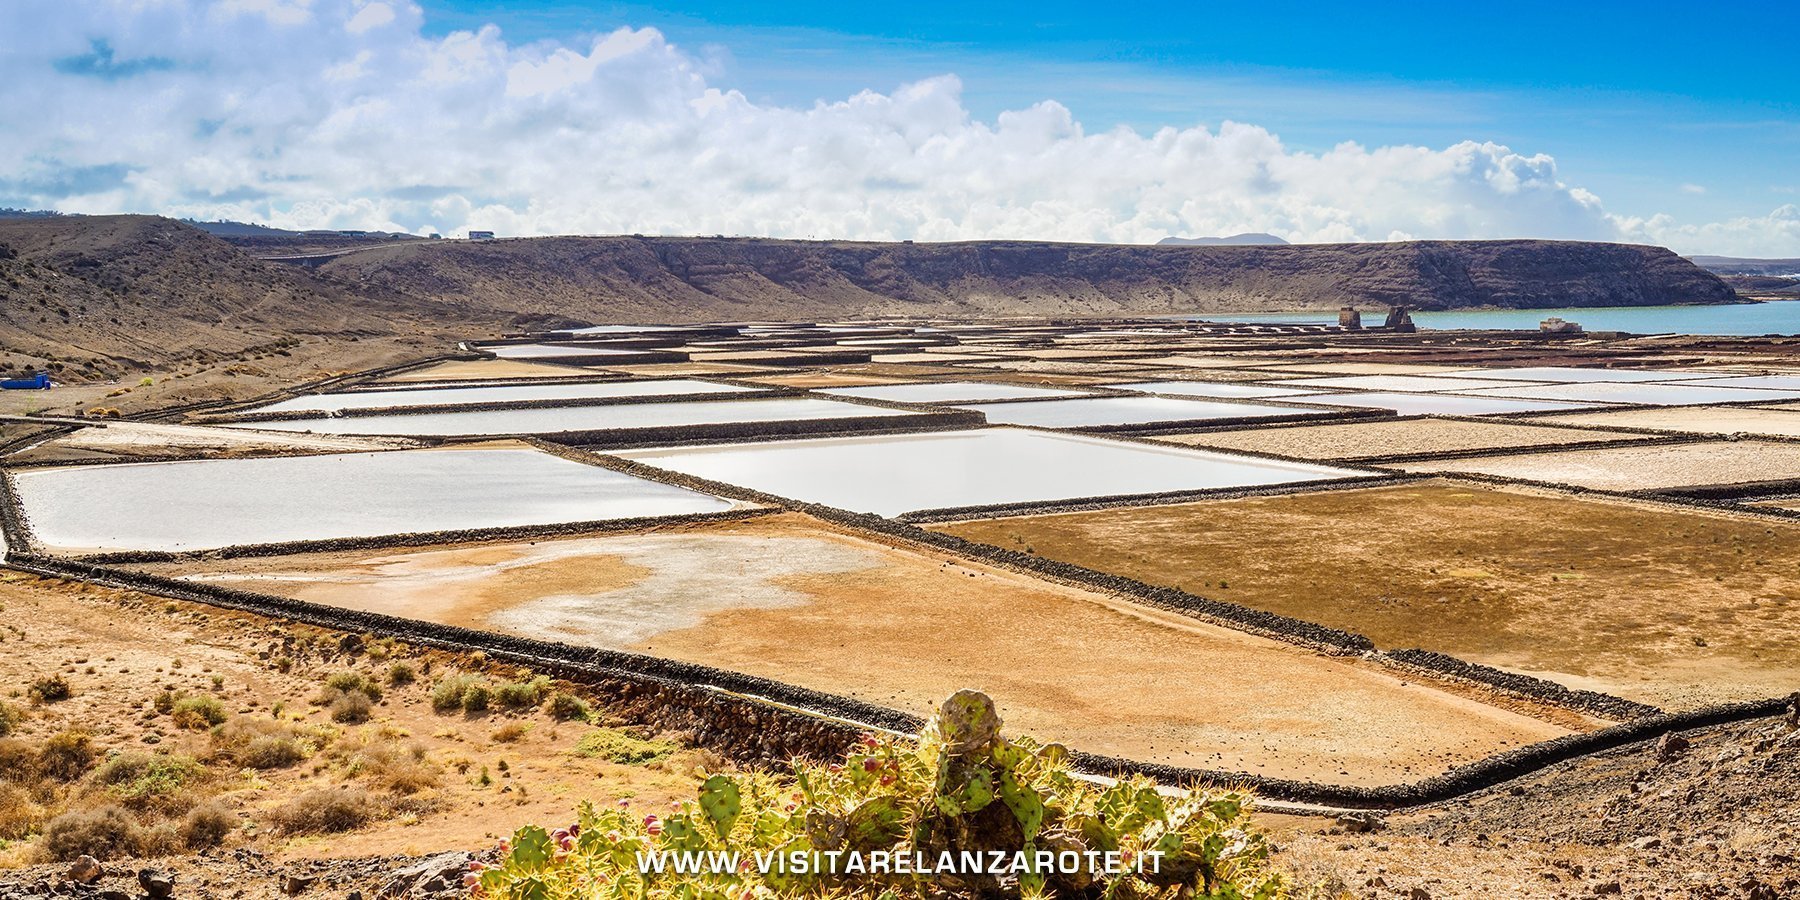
{"x": 1675, "y": 124}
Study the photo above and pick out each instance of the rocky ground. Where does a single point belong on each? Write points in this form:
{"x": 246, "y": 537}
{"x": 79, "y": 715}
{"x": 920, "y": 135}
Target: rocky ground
{"x": 1713, "y": 813}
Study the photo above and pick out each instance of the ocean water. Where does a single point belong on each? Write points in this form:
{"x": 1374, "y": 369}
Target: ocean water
{"x": 1739, "y": 319}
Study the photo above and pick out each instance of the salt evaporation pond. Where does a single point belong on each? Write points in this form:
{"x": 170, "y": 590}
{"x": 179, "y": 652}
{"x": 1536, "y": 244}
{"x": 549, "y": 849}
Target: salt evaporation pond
{"x": 1420, "y": 383}
{"x": 564, "y": 419}
{"x": 1091, "y": 412}
{"x": 1440, "y": 404}
{"x": 1574, "y": 373}
{"x": 1771, "y": 382}
{"x": 545, "y": 351}
{"x": 1658, "y": 394}
{"x": 952, "y": 392}
{"x": 1225, "y": 389}
{"x": 891, "y": 475}
{"x": 206, "y": 504}
{"x": 512, "y": 393}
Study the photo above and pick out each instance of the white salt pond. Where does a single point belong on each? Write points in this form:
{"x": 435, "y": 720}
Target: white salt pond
{"x": 1089, "y": 412}
{"x": 512, "y": 393}
{"x": 1422, "y": 383}
{"x": 1650, "y": 394}
{"x": 1440, "y": 404}
{"x": 891, "y": 475}
{"x": 547, "y": 351}
{"x": 1225, "y": 389}
{"x": 206, "y": 504}
{"x": 565, "y": 419}
{"x": 1572, "y": 373}
{"x": 952, "y": 392}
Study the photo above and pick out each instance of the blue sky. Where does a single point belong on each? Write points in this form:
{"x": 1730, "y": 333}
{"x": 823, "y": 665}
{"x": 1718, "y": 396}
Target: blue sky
{"x": 1690, "y": 109}
{"x": 1671, "y": 124}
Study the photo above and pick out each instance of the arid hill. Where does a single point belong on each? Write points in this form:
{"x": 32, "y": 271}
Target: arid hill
{"x": 106, "y": 296}
{"x": 691, "y": 279}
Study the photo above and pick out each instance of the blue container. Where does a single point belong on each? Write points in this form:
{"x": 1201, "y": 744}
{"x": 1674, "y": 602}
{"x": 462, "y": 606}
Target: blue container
{"x": 38, "y": 382}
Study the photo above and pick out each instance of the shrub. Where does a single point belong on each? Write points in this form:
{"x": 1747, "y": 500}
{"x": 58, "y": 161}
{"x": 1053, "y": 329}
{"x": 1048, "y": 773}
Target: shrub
{"x": 19, "y": 815}
{"x": 51, "y": 689}
{"x": 616, "y": 746}
{"x": 105, "y": 833}
{"x": 509, "y": 733}
{"x": 9, "y": 719}
{"x": 568, "y": 707}
{"x": 522, "y": 694}
{"x": 351, "y": 708}
{"x": 384, "y": 765}
{"x": 66, "y": 756}
{"x": 962, "y": 788}
{"x": 197, "y": 713}
{"x": 477, "y": 697}
{"x": 149, "y": 780}
{"x": 207, "y": 825}
{"x": 260, "y": 743}
{"x": 325, "y": 811}
{"x": 352, "y": 683}
{"x": 400, "y": 675}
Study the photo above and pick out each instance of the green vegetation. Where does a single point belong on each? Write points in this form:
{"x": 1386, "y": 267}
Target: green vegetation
{"x": 350, "y": 696}
{"x": 522, "y": 694}
{"x": 50, "y": 689}
{"x": 461, "y": 692}
{"x": 565, "y": 707}
{"x": 198, "y": 712}
{"x": 962, "y": 788}
{"x": 616, "y": 746}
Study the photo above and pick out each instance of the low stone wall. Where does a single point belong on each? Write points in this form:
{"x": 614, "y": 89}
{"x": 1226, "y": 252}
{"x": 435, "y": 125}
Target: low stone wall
{"x": 250, "y": 417}
{"x": 1604, "y": 705}
{"x": 756, "y": 719}
{"x": 422, "y": 539}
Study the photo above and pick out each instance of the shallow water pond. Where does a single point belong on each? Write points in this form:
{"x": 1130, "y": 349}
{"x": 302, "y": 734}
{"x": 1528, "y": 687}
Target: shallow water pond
{"x": 890, "y": 475}
{"x": 205, "y": 504}
{"x": 559, "y": 420}
{"x": 511, "y": 393}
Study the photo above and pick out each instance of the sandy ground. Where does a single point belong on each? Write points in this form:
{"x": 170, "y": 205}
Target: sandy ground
{"x": 472, "y": 370}
{"x": 821, "y": 379}
{"x": 151, "y": 439}
{"x": 1638, "y": 468}
{"x": 1694, "y": 419}
{"x": 1369, "y": 440}
{"x": 121, "y": 649}
{"x": 788, "y": 598}
{"x": 1668, "y": 606}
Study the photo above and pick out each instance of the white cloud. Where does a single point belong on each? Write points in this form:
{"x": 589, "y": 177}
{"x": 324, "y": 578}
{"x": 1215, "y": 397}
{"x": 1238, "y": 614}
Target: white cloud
{"x": 1776, "y": 235}
{"x": 1693, "y": 189}
{"x": 341, "y": 113}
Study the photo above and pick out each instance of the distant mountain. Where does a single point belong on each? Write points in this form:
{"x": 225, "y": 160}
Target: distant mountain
{"x": 1732, "y": 265}
{"x": 1247, "y": 239}
{"x": 223, "y": 228}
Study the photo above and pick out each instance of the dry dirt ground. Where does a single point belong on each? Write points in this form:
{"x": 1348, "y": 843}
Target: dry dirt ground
{"x": 1670, "y": 606}
{"x": 1716, "y": 818}
{"x": 790, "y": 598}
{"x": 432, "y": 781}
{"x": 1370, "y": 440}
{"x": 1694, "y": 419}
{"x": 477, "y": 369}
{"x": 125, "y": 439}
{"x": 236, "y": 378}
{"x": 1638, "y": 468}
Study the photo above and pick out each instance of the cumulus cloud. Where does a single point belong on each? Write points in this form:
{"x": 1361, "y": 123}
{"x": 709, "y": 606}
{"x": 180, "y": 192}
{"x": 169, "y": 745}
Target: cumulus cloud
{"x": 344, "y": 114}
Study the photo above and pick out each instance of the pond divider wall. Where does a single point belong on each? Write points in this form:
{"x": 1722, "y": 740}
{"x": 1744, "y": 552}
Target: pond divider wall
{"x": 248, "y": 417}
{"x": 758, "y": 719}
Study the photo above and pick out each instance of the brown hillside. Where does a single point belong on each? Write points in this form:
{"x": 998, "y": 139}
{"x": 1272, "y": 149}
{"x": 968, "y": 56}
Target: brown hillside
{"x": 693, "y": 279}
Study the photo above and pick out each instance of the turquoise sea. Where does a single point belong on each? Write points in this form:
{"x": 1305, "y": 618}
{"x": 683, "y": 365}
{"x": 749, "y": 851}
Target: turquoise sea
{"x": 1775, "y": 317}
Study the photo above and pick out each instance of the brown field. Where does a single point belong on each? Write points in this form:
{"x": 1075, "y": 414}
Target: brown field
{"x": 472, "y": 369}
{"x": 1668, "y": 606}
{"x": 787, "y": 598}
{"x": 1694, "y": 419}
{"x": 1369, "y": 440}
{"x": 119, "y": 650}
{"x": 1638, "y": 468}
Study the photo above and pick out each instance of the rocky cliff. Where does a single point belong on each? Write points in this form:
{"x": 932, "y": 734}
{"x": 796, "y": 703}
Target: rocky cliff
{"x": 691, "y": 279}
